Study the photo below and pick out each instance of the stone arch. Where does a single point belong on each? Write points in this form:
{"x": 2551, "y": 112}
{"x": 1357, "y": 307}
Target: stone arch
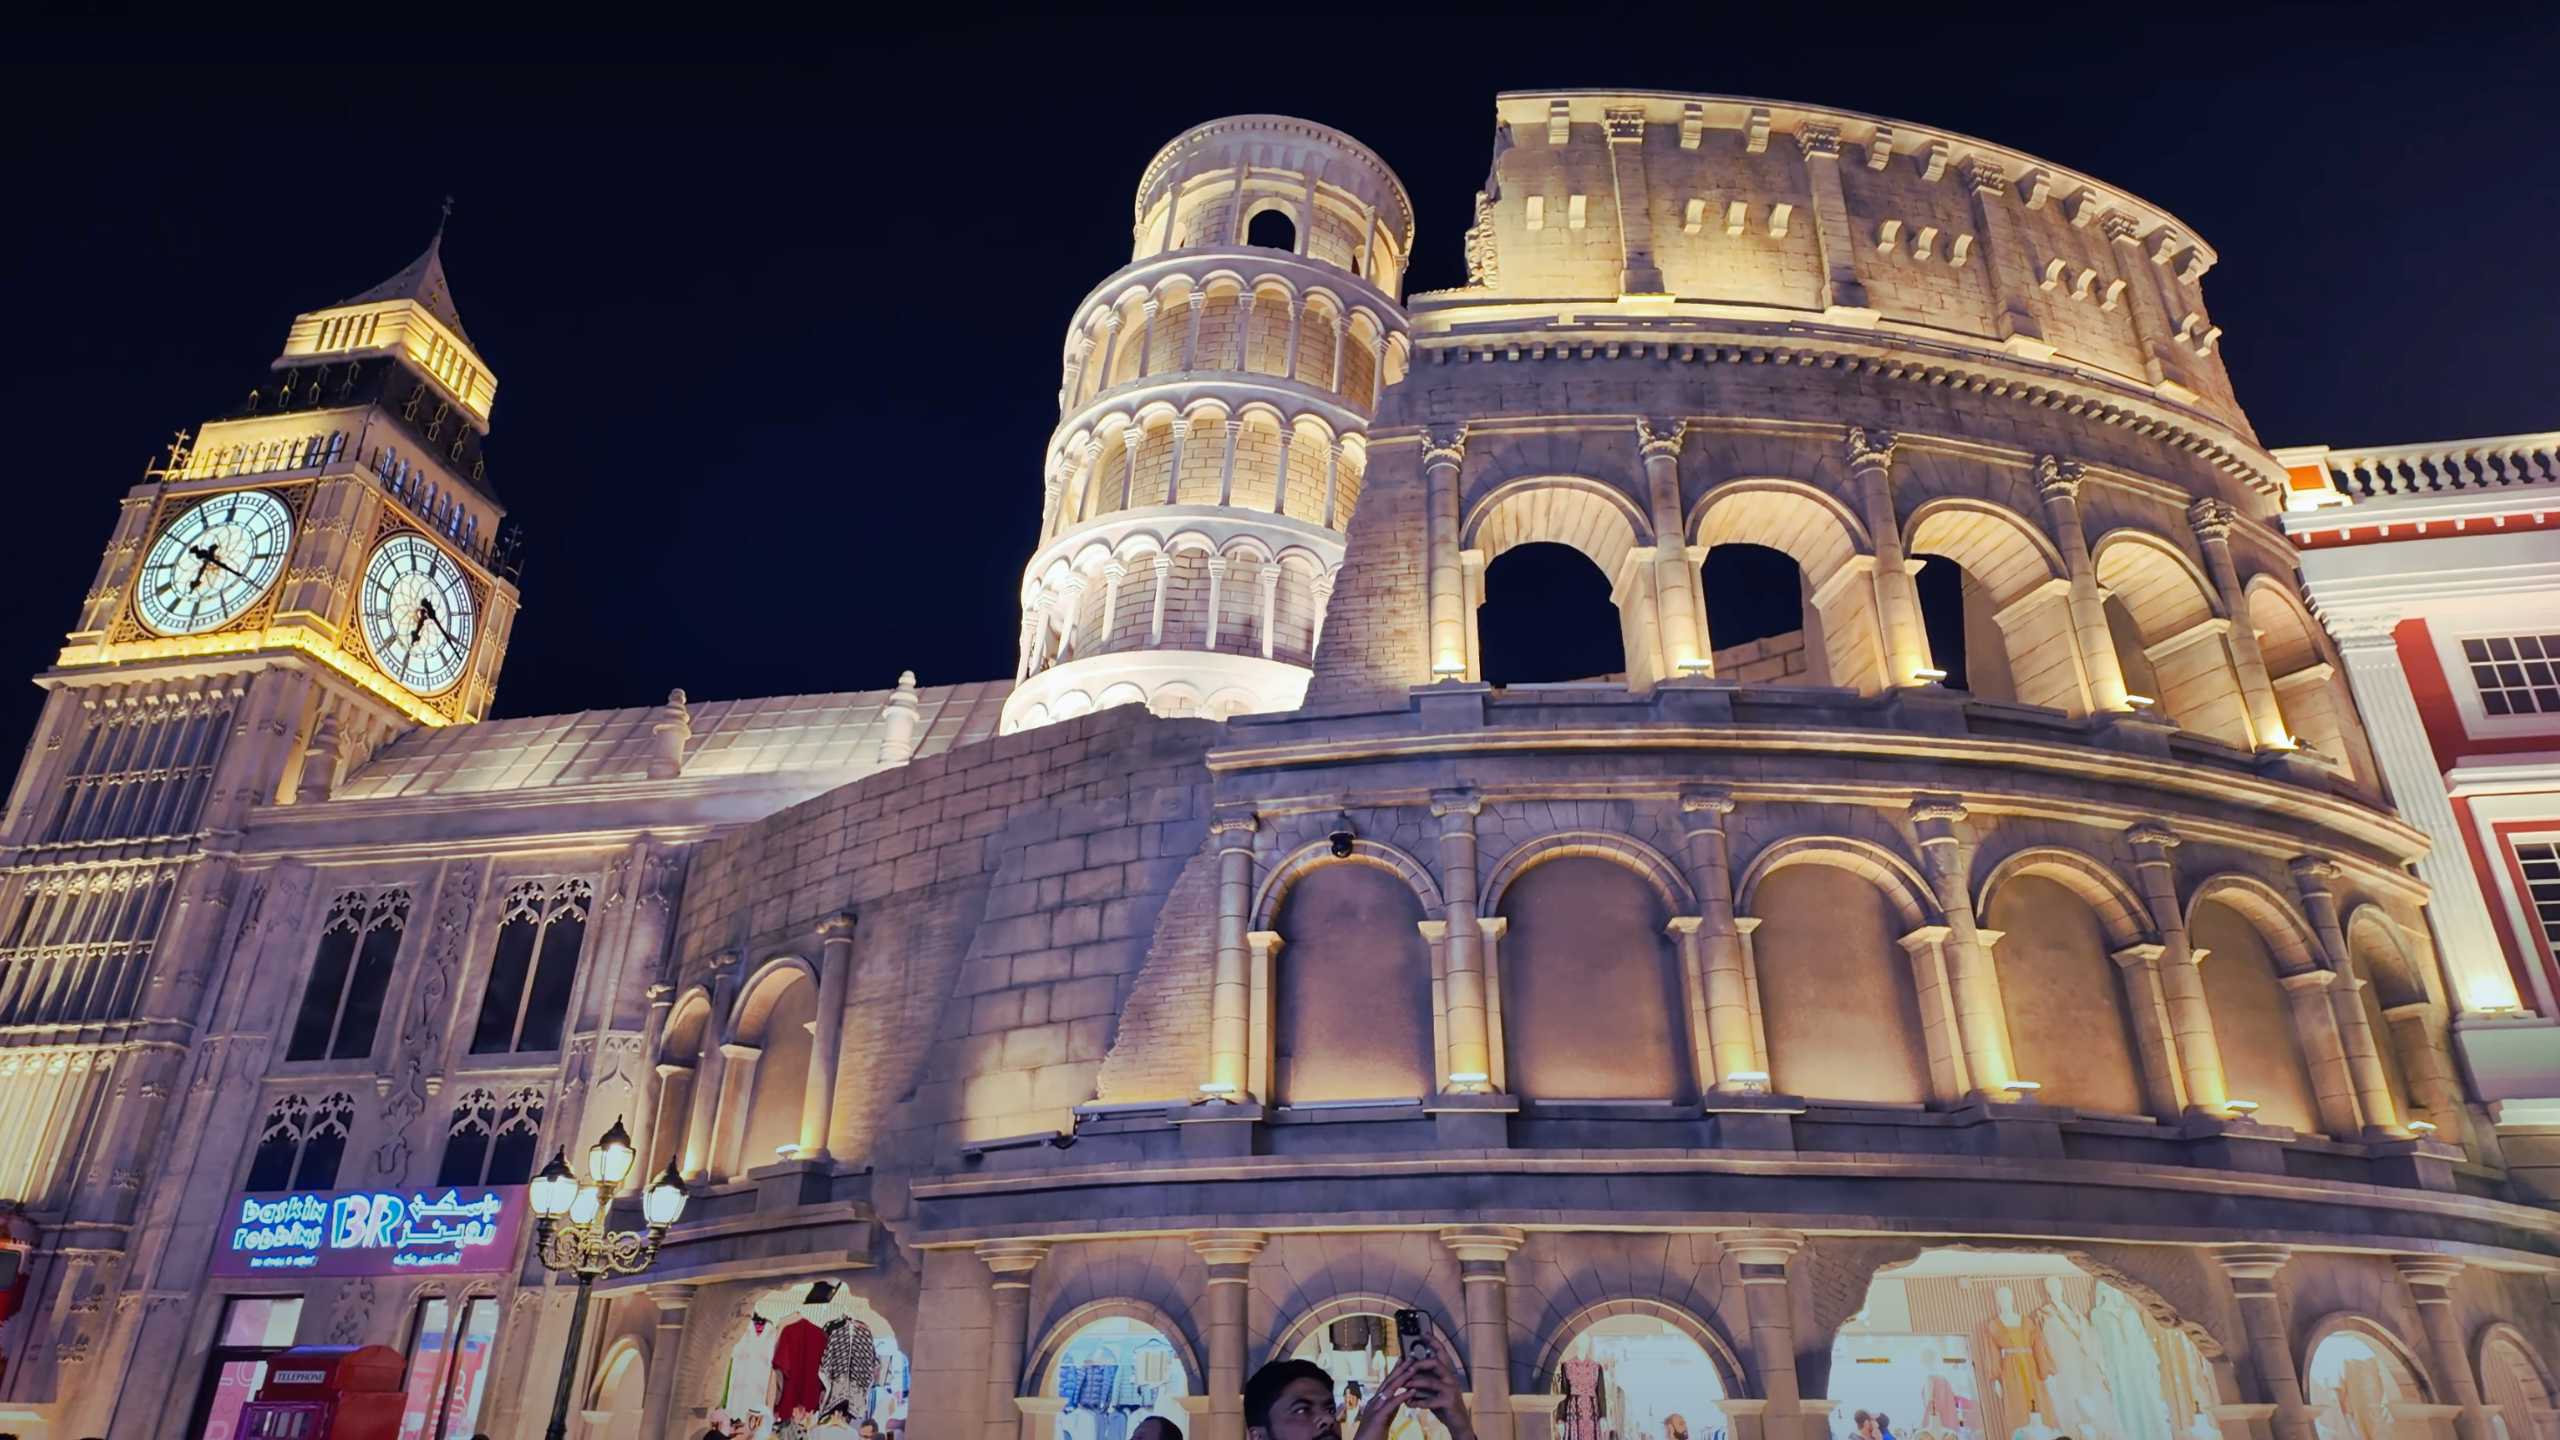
{"x": 1589, "y": 515}
{"x": 1303, "y": 1326}
{"x": 756, "y": 997}
{"x": 1900, "y": 881}
{"x": 617, "y": 1382}
{"x": 1294, "y": 867}
{"x": 2297, "y": 950}
{"x": 2364, "y": 1327}
{"x": 2372, "y": 935}
{"x": 1834, "y": 558}
{"x": 1729, "y": 1369}
{"x": 2513, "y": 1379}
{"x": 2120, "y": 911}
{"x": 688, "y": 1020}
{"x": 2013, "y": 610}
{"x": 2175, "y": 638}
{"x": 2311, "y": 694}
{"x": 777, "y": 1010}
{"x": 1626, "y": 850}
{"x": 1036, "y": 1376}
{"x": 1996, "y": 545}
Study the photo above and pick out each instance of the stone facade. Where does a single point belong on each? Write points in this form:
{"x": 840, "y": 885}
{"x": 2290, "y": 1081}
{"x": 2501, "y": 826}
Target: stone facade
{"x": 1763, "y": 1009}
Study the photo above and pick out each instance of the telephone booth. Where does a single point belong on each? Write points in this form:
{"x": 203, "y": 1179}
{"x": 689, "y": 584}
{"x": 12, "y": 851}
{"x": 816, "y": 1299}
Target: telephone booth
{"x": 327, "y": 1392}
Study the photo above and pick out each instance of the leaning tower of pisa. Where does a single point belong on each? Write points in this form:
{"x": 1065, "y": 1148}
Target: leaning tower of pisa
{"x": 1212, "y": 427}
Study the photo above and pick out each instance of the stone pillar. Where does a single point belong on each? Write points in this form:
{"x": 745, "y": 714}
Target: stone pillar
{"x": 1637, "y": 274}
{"x": 657, "y": 1415}
{"x": 1196, "y": 301}
{"x": 2315, "y": 1023}
{"x": 826, "y": 1042}
{"x": 1761, "y": 1256}
{"x": 1228, "y": 1254}
{"x": 1110, "y": 351}
{"x": 1113, "y": 572}
{"x": 2252, "y": 1270}
{"x": 2312, "y": 877}
{"x": 1181, "y": 443}
{"x": 1227, "y": 463}
{"x": 1906, "y": 643}
{"x": 1150, "y": 307}
{"x": 1231, "y": 980}
{"x": 2473, "y": 958}
{"x": 2164, "y": 1090}
{"x": 898, "y": 721}
{"x": 2181, "y": 983}
{"x": 674, "y": 1111}
{"x": 2418, "y": 1034}
{"x": 1722, "y": 972}
{"x": 2161, "y": 362}
{"x": 1679, "y": 597}
{"x": 1442, "y": 453}
{"x": 1217, "y": 565}
{"x": 1833, "y": 239}
{"x": 2004, "y": 253}
{"x": 1484, "y": 1254}
{"x": 1268, "y": 577}
{"x": 1008, "y": 1329}
{"x": 2058, "y": 481}
{"x": 729, "y": 1118}
{"x": 1982, "y": 1024}
{"x": 2429, "y": 1279}
{"x": 1470, "y": 1063}
{"x": 1163, "y": 565}
{"x": 701, "y": 1124}
{"x": 2212, "y": 521}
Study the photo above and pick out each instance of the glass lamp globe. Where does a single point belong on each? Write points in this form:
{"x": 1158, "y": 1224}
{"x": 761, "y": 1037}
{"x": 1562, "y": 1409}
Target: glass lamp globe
{"x": 664, "y": 1204}
{"x": 555, "y": 1188}
{"x": 610, "y": 1159}
{"x": 589, "y": 1200}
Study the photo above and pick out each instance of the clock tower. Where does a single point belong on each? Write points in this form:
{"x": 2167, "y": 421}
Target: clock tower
{"x": 322, "y": 567}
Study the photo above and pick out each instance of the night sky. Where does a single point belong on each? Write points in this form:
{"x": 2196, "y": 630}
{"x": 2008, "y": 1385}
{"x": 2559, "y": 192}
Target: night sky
{"x": 777, "y": 322}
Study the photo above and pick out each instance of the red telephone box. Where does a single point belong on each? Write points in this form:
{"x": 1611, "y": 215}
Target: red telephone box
{"x": 327, "y": 1392}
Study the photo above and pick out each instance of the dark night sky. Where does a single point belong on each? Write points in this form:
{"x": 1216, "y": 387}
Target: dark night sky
{"x": 778, "y": 342}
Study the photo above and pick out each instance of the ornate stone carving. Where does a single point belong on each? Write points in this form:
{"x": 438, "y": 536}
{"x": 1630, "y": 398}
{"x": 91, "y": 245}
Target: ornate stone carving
{"x": 1658, "y": 441}
{"x": 421, "y": 1044}
{"x": 1870, "y": 446}
{"x": 1444, "y": 445}
{"x": 2057, "y": 477}
{"x": 354, "y": 1312}
{"x": 1818, "y": 142}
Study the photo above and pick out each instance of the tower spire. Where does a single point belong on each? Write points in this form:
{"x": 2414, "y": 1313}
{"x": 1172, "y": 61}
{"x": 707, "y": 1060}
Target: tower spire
{"x": 422, "y": 280}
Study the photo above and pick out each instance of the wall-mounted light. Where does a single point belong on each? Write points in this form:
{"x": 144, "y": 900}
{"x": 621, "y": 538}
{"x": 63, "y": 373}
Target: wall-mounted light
{"x": 1342, "y": 836}
{"x": 2141, "y": 702}
{"x": 1697, "y": 667}
{"x": 1931, "y": 674}
{"x": 1218, "y": 1089}
{"x": 2422, "y": 1128}
{"x": 2240, "y": 1109}
{"x": 1754, "y": 1082}
{"x": 1449, "y": 669}
{"x": 2022, "y": 1091}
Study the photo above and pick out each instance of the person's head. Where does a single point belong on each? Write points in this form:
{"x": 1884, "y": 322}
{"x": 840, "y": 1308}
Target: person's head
{"x": 1675, "y": 1428}
{"x": 1351, "y": 1390}
{"x": 1290, "y": 1400}
{"x": 870, "y": 1430}
{"x": 1156, "y": 1427}
{"x": 1866, "y": 1424}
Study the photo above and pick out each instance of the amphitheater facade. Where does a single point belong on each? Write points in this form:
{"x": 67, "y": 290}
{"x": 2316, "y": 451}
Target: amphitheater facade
{"x": 1758, "y": 1038}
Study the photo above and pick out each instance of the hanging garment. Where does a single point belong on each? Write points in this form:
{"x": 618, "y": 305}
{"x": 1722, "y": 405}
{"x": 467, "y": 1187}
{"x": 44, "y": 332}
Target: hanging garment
{"x": 750, "y": 1387}
{"x": 1938, "y": 1406}
{"x": 2132, "y": 1365}
{"x": 797, "y": 1383}
{"x": 851, "y": 1362}
{"x": 1070, "y": 1383}
{"x": 1358, "y": 1332}
{"x": 1586, "y": 1393}
{"x": 2020, "y": 1367}
{"x": 1154, "y": 1362}
{"x": 1099, "y": 1381}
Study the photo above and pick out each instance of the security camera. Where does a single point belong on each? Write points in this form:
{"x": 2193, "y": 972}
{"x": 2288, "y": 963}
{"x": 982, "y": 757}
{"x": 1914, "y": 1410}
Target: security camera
{"x": 1341, "y": 837}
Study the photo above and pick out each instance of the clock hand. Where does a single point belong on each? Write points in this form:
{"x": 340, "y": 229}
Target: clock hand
{"x": 210, "y": 555}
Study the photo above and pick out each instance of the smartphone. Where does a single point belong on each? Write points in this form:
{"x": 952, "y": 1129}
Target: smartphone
{"x": 1410, "y": 1334}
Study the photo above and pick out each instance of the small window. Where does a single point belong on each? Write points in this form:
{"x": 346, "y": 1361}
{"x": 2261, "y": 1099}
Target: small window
{"x": 491, "y": 1141}
{"x": 544, "y": 926}
{"x": 1271, "y": 230}
{"x": 301, "y": 1145}
{"x": 2516, "y": 674}
{"x": 2540, "y": 860}
{"x": 350, "y": 974}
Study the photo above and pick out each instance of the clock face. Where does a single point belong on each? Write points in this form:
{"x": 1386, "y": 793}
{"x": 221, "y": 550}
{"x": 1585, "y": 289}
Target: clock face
{"x": 214, "y": 562}
{"x": 418, "y": 613}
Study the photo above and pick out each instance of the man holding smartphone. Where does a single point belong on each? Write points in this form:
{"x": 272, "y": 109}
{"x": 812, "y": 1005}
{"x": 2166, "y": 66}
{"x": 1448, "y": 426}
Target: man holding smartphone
{"x": 1293, "y": 1399}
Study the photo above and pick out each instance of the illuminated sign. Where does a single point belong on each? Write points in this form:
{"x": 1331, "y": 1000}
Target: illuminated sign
{"x": 372, "y": 1232}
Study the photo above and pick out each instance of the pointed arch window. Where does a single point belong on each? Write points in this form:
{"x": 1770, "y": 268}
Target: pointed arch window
{"x": 302, "y": 1142}
{"x": 350, "y": 974}
{"x": 542, "y": 928}
{"x": 491, "y": 1140}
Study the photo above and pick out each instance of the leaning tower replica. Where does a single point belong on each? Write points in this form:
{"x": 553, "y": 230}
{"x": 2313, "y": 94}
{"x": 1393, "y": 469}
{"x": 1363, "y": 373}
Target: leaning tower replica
{"x": 1212, "y": 428}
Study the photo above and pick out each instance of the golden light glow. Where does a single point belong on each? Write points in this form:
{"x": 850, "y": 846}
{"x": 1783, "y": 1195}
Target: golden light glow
{"x": 323, "y": 648}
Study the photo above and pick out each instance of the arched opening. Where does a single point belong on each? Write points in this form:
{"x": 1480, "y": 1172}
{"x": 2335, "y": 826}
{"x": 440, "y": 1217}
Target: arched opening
{"x": 1584, "y": 932}
{"x": 2517, "y": 1390}
{"x": 2310, "y": 693}
{"x": 1955, "y": 615}
{"x": 1991, "y": 598}
{"x": 1114, "y": 1374}
{"x": 2262, "y": 1056}
{"x": 2355, "y": 1382}
{"x": 2396, "y": 1006}
{"x": 1351, "y": 1002}
{"x": 1837, "y": 996}
{"x": 1756, "y": 617}
{"x": 1964, "y": 1343}
{"x": 620, "y": 1390}
{"x": 2139, "y": 677}
{"x": 1358, "y": 1350}
{"x": 779, "y": 1369}
{"x": 681, "y": 1053}
{"x": 2069, "y": 1028}
{"x": 2168, "y": 641}
{"x": 779, "y": 1020}
{"x": 1271, "y": 230}
{"x": 1548, "y": 618}
{"x": 1638, "y": 1374}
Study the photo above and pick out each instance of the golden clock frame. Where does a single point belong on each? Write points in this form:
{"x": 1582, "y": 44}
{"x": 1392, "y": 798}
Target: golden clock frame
{"x": 392, "y": 520}
{"x": 128, "y": 626}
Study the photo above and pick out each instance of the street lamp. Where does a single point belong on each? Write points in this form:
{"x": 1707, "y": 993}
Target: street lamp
{"x": 571, "y": 1236}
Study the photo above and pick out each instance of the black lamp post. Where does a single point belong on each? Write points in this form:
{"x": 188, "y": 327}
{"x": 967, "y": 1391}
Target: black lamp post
{"x": 571, "y": 1235}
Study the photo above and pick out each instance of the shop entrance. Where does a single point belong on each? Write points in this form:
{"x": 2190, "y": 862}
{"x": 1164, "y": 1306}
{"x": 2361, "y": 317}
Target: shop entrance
{"x": 2355, "y": 1384}
{"x": 816, "y": 1357}
{"x": 255, "y": 1329}
{"x": 1992, "y": 1345}
{"x": 1637, "y": 1377}
{"x": 1358, "y": 1351}
{"x": 1115, "y": 1373}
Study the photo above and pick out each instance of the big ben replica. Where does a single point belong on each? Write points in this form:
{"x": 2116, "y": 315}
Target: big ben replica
{"x": 309, "y": 575}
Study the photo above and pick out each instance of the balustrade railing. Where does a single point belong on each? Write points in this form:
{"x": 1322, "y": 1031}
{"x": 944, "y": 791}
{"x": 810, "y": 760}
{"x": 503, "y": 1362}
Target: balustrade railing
{"x": 2446, "y": 467}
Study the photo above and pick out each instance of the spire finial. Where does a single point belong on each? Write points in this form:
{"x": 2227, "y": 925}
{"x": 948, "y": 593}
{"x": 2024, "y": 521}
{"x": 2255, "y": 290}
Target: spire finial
{"x": 443, "y": 218}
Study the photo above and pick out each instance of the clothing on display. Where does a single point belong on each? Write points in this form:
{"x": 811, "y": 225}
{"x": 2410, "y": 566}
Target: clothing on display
{"x": 799, "y": 1386}
{"x": 1586, "y": 1400}
{"x": 848, "y": 1367}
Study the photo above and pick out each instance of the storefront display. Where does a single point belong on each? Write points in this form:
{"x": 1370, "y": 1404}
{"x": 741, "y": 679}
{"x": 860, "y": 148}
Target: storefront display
{"x": 2352, "y": 1384}
{"x": 1113, "y": 1374}
{"x": 1636, "y": 1377}
{"x": 255, "y": 1329}
{"x": 1358, "y": 1351}
{"x": 812, "y": 1360}
{"x": 1962, "y": 1345}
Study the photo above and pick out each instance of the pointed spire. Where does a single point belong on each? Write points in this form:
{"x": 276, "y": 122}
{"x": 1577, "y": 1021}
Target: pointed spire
{"x": 423, "y": 281}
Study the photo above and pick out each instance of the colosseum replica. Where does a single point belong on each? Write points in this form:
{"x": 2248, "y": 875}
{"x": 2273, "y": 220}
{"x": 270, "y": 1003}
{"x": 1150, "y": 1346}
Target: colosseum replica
{"x": 1946, "y": 967}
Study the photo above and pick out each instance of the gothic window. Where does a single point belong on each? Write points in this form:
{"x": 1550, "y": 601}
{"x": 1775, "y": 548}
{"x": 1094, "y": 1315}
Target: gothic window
{"x": 342, "y": 1005}
{"x": 300, "y": 1147}
{"x": 491, "y": 1141}
{"x": 540, "y": 931}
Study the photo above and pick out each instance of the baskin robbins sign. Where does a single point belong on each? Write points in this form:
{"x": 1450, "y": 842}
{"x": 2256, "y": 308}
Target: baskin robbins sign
{"x": 372, "y": 1232}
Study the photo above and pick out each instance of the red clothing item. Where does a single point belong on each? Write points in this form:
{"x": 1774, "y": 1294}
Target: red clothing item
{"x": 796, "y": 1383}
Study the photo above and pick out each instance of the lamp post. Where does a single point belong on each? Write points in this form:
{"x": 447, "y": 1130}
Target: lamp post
{"x": 571, "y": 1236}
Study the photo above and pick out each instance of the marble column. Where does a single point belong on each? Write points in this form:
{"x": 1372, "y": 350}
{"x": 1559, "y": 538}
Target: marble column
{"x": 1470, "y": 1061}
{"x": 2252, "y": 1271}
{"x": 2164, "y": 1090}
{"x": 826, "y": 1047}
{"x": 1761, "y": 1256}
{"x": 2181, "y": 982}
{"x": 1834, "y": 242}
{"x": 1982, "y": 1023}
{"x": 2312, "y": 877}
{"x": 2058, "y": 481}
{"x": 1231, "y": 978}
{"x": 2315, "y": 1025}
{"x": 1228, "y": 1254}
{"x": 1008, "y": 1329}
{"x": 1443, "y": 451}
{"x": 666, "y": 1350}
{"x": 729, "y": 1118}
{"x": 1722, "y": 972}
{"x": 701, "y": 1121}
{"x": 1679, "y": 596}
{"x": 2212, "y": 521}
{"x": 2430, "y": 1279}
{"x": 1906, "y": 643}
{"x": 1484, "y": 1255}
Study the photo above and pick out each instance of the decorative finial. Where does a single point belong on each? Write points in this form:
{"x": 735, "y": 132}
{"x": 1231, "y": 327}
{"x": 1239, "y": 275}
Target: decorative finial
{"x": 445, "y": 217}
